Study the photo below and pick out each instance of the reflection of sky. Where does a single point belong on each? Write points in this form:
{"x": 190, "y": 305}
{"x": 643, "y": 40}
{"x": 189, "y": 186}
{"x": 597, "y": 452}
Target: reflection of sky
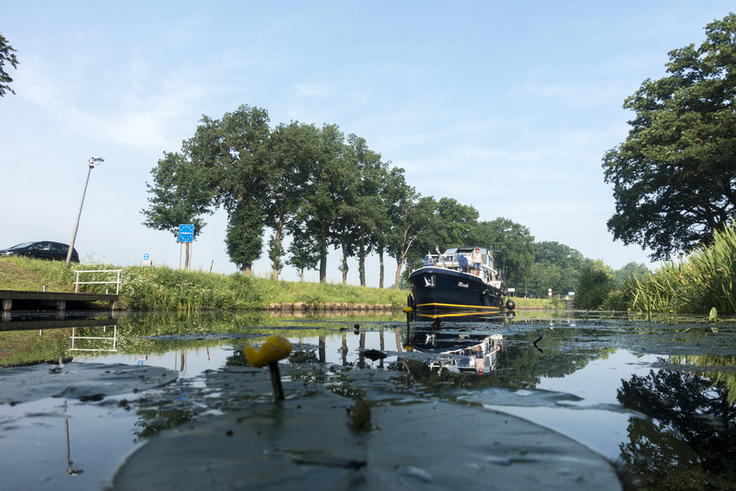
{"x": 600, "y": 429}
{"x": 598, "y": 381}
{"x": 34, "y": 443}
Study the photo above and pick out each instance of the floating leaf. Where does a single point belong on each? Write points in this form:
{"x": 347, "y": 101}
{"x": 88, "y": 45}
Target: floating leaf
{"x": 87, "y": 381}
{"x": 310, "y": 444}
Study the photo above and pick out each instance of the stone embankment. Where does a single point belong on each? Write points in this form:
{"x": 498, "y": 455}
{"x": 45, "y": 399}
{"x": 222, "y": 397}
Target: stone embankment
{"x": 330, "y": 307}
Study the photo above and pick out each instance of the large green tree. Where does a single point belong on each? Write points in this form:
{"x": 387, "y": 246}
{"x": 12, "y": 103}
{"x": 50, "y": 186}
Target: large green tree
{"x": 225, "y": 165}
{"x": 7, "y": 55}
{"x": 241, "y": 172}
{"x": 314, "y": 221}
{"x": 178, "y": 195}
{"x": 394, "y": 194}
{"x": 368, "y": 207}
{"x": 293, "y": 150}
{"x": 411, "y": 222}
{"x": 674, "y": 177}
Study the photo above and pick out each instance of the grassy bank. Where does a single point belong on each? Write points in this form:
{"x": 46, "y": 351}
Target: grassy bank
{"x": 163, "y": 288}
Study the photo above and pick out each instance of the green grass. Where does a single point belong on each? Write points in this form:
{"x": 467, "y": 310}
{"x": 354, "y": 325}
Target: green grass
{"x": 162, "y": 288}
{"x": 20, "y": 273}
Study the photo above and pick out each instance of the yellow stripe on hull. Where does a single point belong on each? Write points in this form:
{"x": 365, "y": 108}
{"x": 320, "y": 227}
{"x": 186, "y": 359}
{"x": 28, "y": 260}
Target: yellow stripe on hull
{"x": 458, "y": 306}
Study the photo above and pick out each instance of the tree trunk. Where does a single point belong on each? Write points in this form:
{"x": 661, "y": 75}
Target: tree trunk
{"x": 380, "y": 268}
{"x": 323, "y": 255}
{"x": 277, "y": 247}
{"x": 361, "y": 258}
{"x": 344, "y": 246}
{"x": 399, "y": 261}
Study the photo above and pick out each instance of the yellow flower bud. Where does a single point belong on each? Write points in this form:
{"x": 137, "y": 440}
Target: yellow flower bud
{"x": 276, "y": 348}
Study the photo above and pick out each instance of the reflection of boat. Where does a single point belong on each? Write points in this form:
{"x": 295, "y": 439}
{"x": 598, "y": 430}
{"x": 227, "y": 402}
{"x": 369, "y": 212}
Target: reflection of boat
{"x": 453, "y": 281}
{"x": 460, "y": 355}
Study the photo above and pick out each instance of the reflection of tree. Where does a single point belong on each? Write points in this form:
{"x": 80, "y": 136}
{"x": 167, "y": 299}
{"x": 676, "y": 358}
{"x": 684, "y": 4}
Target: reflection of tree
{"x": 728, "y": 379}
{"x": 691, "y": 441}
{"x": 153, "y": 421}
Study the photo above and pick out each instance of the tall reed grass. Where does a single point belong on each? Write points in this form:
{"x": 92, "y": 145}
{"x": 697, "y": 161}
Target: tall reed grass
{"x": 694, "y": 284}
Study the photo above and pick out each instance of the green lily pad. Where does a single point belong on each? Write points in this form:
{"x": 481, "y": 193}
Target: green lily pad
{"x": 309, "y": 444}
{"x": 78, "y": 381}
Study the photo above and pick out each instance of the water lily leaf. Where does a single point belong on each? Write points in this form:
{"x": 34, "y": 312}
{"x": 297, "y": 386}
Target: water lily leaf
{"x": 502, "y": 396}
{"x": 309, "y": 444}
{"x": 87, "y": 381}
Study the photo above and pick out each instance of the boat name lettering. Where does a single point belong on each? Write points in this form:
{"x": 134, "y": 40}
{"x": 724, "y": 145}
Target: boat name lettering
{"x": 463, "y": 285}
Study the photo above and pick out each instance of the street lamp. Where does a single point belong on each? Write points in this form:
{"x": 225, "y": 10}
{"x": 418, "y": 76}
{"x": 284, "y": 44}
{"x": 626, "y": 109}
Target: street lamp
{"x": 92, "y": 162}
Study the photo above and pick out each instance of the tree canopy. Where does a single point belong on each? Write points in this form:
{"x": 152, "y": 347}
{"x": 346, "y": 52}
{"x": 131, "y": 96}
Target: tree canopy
{"x": 674, "y": 176}
{"x": 7, "y": 55}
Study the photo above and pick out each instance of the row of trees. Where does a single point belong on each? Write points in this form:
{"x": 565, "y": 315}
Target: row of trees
{"x": 316, "y": 185}
{"x": 325, "y": 190}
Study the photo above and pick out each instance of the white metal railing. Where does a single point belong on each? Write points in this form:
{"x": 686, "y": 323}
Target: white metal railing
{"x": 116, "y": 281}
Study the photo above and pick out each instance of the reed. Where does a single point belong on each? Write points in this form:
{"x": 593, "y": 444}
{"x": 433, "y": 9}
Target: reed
{"x": 694, "y": 284}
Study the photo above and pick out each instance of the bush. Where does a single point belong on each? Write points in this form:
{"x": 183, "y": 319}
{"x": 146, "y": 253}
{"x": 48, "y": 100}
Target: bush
{"x": 595, "y": 285}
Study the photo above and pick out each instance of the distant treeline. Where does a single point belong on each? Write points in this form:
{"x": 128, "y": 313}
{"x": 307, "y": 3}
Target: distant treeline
{"x": 323, "y": 189}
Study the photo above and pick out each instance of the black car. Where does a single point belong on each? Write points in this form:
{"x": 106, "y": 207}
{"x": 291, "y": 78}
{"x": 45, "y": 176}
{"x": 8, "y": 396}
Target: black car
{"x": 44, "y": 249}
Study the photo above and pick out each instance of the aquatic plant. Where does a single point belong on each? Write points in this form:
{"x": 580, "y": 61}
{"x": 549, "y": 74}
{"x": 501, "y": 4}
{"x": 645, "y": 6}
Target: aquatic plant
{"x": 695, "y": 283}
{"x": 276, "y": 348}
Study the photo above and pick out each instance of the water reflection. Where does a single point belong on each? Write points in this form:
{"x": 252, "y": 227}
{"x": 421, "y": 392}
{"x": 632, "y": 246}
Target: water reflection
{"x": 677, "y": 374}
{"x": 689, "y": 439}
{"x": 467, "y": 354}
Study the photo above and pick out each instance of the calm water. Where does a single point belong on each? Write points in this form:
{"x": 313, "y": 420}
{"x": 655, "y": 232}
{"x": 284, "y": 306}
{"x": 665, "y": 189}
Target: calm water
{"x": 653, "y": 394}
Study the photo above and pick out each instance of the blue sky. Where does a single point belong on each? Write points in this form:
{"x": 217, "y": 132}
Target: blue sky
{"x": 505, "y": 106}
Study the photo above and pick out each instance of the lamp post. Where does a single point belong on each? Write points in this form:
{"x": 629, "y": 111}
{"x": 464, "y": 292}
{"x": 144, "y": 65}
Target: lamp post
{"x": 92, "y": 162}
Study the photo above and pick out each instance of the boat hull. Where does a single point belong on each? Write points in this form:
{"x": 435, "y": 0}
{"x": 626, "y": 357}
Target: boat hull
{"x": 437, "y": 289}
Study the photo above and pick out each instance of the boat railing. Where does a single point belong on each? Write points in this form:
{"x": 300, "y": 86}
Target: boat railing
{"x": 449, "y": 261}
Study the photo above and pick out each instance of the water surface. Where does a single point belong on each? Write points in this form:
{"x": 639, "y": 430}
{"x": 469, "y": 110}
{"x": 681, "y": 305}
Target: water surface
{"x": 654, "y": 395}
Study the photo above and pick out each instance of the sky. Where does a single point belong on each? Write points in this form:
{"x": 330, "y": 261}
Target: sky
{"x": 505, "y": 106}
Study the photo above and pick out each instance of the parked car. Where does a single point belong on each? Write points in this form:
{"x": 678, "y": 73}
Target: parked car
{"x": 44, "y": 249}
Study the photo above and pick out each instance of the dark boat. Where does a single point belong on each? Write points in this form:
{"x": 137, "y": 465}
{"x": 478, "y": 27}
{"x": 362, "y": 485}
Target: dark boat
{"x": 461, "y": 279}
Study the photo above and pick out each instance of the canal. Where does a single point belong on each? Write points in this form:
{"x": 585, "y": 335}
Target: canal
{"x": 564, "y": 400}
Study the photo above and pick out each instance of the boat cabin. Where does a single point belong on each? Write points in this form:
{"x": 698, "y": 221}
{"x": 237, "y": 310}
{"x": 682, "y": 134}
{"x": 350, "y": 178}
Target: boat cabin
{"x": 461, "y": 259}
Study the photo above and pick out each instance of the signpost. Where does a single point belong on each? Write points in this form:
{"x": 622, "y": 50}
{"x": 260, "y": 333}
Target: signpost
{"x": 186, "y": 236}
{"x": 186, "y": 233}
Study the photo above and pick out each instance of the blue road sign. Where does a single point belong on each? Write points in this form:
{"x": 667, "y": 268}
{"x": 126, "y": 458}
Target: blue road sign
{"x": 186, "y": 233}
{"x": 145, "y": 256}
